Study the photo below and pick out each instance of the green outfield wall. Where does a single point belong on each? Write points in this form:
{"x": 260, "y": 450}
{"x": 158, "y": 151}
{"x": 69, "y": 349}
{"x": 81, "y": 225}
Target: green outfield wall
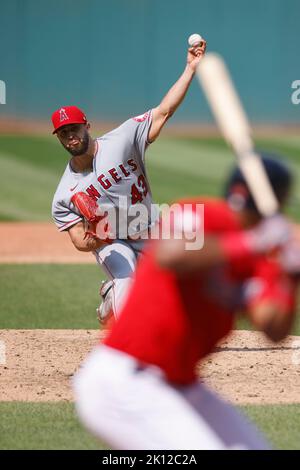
{"x": 118, "y": 57}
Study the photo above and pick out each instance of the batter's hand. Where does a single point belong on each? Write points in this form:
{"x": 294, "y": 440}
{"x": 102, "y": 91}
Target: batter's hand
{"x": 290, "y": 254}
{"x": 195, "y": 54}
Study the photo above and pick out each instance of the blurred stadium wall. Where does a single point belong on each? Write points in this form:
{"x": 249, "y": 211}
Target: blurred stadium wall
{"x": 117, "y": 58}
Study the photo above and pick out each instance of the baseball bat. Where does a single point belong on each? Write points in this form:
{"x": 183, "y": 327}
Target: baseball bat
{"x": 234, "y": 125}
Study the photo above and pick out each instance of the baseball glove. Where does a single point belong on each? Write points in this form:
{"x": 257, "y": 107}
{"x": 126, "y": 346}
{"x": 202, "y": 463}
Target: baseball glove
{"x": 96, "y": 225}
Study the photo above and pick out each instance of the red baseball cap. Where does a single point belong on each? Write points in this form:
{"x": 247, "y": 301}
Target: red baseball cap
{"x": 67, "y": 115}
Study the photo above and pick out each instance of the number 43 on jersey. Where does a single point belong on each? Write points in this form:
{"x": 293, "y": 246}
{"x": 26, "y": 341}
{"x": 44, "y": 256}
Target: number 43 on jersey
{"x": 139, "y": 191}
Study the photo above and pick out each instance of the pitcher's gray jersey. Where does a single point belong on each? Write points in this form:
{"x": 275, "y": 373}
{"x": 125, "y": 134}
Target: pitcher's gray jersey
{"x": 118, "y": 178}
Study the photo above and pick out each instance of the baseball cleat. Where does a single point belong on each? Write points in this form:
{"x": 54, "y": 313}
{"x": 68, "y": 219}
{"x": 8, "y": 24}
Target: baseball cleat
{"x": 105, "y": 309}
{"x": 105, "y": 288}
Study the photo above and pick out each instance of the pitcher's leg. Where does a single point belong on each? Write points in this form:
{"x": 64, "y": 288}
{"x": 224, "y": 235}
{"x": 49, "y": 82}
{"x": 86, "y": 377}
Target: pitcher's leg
{"x": 118, "y": 260}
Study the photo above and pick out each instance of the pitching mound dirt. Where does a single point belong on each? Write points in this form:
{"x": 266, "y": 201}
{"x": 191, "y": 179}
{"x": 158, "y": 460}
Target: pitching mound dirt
{"x": 38, "y": 242}
{"x": 245, "y": 368}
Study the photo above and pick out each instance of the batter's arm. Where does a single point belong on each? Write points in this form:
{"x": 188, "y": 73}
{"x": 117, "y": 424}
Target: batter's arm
{"x": 77, "y": 234}
{"x": 234, "y": 247}
{"x": 273, "y": 318}
{"x": 172, "y": 254}
{"x": 176, "y": 94}
{"x": 270, "y": 294}
{"x": 273, "y": 315}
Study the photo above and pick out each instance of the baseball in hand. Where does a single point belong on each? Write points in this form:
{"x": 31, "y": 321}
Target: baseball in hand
{"x": 195, "y": 40}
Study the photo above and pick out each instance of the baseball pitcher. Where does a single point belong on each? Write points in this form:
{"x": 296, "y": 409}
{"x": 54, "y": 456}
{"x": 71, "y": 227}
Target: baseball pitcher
{"x": 105, "y": 180}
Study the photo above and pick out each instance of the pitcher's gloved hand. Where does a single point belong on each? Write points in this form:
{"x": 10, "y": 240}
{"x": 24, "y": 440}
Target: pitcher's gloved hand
{"x": 95, "y": 219}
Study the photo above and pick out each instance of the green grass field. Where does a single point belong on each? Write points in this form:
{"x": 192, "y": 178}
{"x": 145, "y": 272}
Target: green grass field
{"x": 32, "y": 166}
{"x": 55, "y": 426}
{"x": 65, "y": 296}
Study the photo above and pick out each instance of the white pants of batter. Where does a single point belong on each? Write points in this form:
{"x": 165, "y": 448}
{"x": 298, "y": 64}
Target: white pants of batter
{"x": 118, "y": 261}
{"x": 130, "y": 408}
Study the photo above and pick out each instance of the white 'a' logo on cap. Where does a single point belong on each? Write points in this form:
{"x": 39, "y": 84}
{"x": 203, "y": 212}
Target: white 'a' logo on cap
{"x": 63, "y": 115}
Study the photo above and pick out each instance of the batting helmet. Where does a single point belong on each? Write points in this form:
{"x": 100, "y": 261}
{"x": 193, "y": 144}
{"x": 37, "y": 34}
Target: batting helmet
{"x": 237, "y": 191}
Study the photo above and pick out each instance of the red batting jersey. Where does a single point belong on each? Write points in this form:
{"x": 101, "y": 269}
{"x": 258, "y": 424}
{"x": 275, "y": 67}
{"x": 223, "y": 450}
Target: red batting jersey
{"x": 174, "y": 322}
